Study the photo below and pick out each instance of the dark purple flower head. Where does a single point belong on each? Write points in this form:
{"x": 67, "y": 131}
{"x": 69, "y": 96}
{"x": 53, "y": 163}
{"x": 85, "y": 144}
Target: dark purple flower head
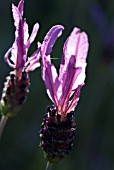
{"x": 22, "y": 43}
{"x": 61, "y": 88}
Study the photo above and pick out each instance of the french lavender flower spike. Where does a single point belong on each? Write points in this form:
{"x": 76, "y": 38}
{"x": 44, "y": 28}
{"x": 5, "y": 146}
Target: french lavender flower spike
{"x": 58, "y": 128}
{"x": 17, "y": 83}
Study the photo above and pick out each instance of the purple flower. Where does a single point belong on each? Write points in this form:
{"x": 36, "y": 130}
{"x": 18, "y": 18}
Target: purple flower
{"x": 64, "y": 89}
{"x": 22, "y": 43}
{"x": 17, "y": 83}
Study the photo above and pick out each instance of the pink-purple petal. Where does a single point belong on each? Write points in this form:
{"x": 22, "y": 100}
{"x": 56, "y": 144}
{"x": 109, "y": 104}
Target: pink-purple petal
{"x": 50, "y": 78}
{"x": 14, "y": 52}
{"x": 33, "y": 65}
{"x": 76, "y": 45}
{"x": 69, "y": 79}
{"x": 26, "y": 32}
{"x": 16, "y": 16}
{"x": 33, "y": 61}
{"x": 21, "y": 53}
{"x": 75, "y": 99}
{"x": 33, "y": 35}
{"x": 81, "y": 56}
{"x": 50, "y": 39}
{"x": 21, "y": 6}
{"x": 49, "y": 73}
{"x": 7, "y": 59}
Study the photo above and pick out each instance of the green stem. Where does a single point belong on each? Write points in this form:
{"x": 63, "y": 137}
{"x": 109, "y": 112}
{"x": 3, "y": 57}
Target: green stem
{"x": 48, "y": 166}
{"x": 2, "y": 124}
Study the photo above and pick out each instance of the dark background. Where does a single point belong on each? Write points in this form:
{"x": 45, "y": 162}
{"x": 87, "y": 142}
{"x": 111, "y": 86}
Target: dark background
{"x": 94, "y": 145}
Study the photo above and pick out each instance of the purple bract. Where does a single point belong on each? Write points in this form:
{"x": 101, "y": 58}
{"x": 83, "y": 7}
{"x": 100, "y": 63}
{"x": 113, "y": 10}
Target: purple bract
{"x": 22, "y": 43}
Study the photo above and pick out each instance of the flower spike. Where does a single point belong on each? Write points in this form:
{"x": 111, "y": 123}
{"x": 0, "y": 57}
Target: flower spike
{"x": 17, "y": 83}
{"x": 58, "y": 128}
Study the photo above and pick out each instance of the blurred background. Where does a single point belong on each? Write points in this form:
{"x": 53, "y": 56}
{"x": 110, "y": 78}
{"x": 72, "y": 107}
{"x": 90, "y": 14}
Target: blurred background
{"x": 94, "y": 144}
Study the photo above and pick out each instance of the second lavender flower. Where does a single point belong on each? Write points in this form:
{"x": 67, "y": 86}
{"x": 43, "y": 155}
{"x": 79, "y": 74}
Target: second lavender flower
{"x": 17, "y": 83}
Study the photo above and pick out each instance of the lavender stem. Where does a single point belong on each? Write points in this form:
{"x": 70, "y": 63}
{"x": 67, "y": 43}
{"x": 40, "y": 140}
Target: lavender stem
{"x": 2, "y": 124}
{"x": 48, "y": 166}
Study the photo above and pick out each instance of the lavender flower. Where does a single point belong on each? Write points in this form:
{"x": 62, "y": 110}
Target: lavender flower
{"x": 16, "y": 87}
{"x": 58, "y": 128}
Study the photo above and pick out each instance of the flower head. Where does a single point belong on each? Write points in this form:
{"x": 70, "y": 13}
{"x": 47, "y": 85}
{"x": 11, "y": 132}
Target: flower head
{"x": 17, "y": 83}
{"x": 68, "y": 83}
{"x": 58, "y": 128}
{"x": 22, "y": 43}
